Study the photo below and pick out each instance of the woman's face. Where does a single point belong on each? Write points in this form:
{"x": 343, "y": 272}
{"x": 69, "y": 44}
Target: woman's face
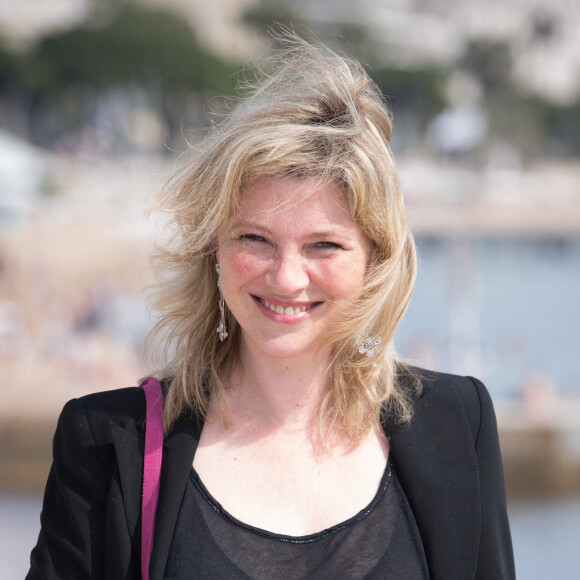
{"x": 290, "y": 260}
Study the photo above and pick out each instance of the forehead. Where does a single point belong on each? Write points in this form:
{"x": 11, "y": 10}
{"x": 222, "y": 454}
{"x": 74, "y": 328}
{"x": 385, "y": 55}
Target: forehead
{"x": 272, "y": 198}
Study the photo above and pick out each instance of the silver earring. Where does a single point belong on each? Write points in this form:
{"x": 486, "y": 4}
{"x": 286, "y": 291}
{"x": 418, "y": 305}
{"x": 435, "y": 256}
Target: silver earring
{"x": 370, "y": 345}
{"x": 221, "y": 329}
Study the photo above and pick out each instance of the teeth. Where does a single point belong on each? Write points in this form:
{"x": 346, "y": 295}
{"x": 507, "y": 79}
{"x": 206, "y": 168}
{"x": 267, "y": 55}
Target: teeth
{"x": 282, "y": 310}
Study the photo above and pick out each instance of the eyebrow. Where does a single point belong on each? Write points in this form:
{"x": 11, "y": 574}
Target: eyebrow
{"x": 321, "y": 234}
{"x": 238, "y": 224}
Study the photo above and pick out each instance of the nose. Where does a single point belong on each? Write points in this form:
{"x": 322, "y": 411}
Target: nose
{"x": 288, "y": 274}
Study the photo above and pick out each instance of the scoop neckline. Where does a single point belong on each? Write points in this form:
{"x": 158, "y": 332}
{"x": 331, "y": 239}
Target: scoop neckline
{"x": 363, "y": 513}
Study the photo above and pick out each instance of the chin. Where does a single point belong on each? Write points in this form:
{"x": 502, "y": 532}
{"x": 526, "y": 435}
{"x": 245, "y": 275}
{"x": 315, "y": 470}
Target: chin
{"x": 283, "y": 347}
{"x": 288, "y": 351}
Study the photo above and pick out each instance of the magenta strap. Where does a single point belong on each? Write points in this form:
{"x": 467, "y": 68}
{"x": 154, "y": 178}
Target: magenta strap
{"x": 151, "y": 468}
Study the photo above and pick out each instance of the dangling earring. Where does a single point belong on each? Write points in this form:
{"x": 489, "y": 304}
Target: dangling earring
{"x": 221, "y": 329}
{"x": 370, "y": 345}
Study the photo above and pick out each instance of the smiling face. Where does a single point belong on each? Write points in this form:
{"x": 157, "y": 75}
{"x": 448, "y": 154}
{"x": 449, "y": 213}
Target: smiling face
{"x": 290, "y": 260}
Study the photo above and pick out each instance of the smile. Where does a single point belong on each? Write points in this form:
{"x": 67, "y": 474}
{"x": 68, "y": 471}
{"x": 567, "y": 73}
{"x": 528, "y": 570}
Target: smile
{"x": 286, "y": 309}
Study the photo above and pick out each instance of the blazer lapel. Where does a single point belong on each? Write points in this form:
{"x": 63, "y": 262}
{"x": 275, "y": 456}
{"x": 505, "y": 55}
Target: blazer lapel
{"x": 178, "y": 451}
{"x": 435, "y": 459}
{"x": 128, "y": 445}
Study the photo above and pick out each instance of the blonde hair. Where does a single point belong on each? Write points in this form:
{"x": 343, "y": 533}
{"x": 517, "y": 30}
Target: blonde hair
{"x": 315, "y": 115}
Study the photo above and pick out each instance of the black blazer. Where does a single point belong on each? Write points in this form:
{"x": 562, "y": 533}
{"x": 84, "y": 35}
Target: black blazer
{"x": 448, "y": 461}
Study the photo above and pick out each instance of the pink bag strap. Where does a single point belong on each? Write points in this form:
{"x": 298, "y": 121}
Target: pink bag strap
{"x": 151, "y": 468}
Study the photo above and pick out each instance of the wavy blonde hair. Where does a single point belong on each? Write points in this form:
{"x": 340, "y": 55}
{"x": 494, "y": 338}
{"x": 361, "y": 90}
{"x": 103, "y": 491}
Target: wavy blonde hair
{"x": 316, "y": 114}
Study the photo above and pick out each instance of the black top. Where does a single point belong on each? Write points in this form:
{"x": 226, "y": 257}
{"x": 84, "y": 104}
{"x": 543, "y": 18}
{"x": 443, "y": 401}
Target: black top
{"x": 381, "y": 541}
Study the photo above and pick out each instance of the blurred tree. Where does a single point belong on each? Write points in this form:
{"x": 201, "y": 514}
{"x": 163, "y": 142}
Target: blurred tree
{"x": 16, "y": 79}
{"x": 264, "y": 14}
{"x": 122, "y": 57}
{"x": 532, "y": 124}
{"x": 416, "y": 90}
{"x": 562, "y": 126}
{"x": 9, "y": 66}
{"x": 545, "y": 26}
{"x": 128, "y": 44}
{"x": 490, "y": 62}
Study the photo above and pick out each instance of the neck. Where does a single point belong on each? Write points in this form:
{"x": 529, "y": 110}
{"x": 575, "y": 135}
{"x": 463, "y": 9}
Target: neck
{"x": 280, "y": 392}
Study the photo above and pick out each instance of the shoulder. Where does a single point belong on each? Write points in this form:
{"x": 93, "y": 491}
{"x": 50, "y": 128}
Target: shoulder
{"x": 115, "y": 402}
{"x": 438, "y": 385}
{"x": 444, "y": 391}
{"x": 92, "y": 415}
{"x": 441, "y": 383}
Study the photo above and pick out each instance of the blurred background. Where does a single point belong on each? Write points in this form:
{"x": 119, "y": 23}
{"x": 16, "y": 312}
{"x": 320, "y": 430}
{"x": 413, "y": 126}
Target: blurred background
{"x": 97, "y": 99}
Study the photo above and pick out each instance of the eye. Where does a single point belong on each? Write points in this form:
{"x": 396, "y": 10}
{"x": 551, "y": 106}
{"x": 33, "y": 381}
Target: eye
{"x": 328, "y": 246}
{"x": 252, "y": 238}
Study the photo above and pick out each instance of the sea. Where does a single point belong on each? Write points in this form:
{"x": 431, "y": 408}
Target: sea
{"x": 506, "y": 310}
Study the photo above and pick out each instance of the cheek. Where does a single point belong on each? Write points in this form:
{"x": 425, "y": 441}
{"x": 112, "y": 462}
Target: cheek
{"x": 343, "y": 278}
{"x": 243, "y": 266}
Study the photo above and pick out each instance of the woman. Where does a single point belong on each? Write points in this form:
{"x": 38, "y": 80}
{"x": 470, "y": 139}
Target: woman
{"x": 296, "y": 445}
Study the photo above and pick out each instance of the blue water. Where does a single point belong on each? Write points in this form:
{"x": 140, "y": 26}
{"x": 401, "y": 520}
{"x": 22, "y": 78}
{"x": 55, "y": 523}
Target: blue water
{"x": 545, "y": 536}
{"x": 505, "y": 310}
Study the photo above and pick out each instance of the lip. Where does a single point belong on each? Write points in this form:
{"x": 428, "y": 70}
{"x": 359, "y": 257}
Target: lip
{"x": 265, "y": 305}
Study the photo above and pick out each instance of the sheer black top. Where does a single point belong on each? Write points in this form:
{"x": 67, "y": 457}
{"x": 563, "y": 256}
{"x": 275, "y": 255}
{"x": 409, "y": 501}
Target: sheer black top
{"x": 381, "y": 541}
